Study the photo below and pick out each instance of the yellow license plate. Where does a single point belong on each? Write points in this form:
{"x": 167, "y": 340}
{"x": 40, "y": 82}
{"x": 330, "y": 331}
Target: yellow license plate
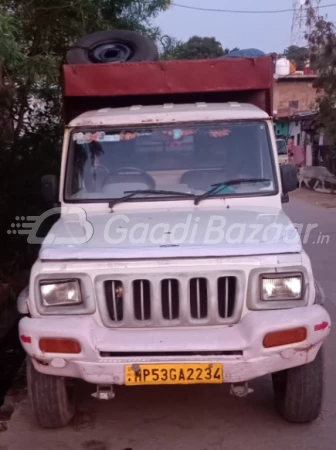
{"x": 152, "y": 374}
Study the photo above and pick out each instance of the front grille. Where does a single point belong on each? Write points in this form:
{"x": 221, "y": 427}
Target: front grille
{"x": 134, "y": 354}
{"x": 172, "y": 301}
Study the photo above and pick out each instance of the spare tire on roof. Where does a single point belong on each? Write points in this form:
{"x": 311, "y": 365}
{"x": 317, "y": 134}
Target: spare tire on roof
{"x": 112, "y": 46}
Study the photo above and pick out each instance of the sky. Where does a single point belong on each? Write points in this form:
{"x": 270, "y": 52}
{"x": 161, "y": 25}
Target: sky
{"x": 267, "y": 32}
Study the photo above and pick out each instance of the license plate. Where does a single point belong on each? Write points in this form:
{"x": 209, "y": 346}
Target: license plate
{"x": 151, "y": 374}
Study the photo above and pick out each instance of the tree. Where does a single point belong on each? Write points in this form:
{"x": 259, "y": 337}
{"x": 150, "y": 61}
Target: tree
{"x": 37, "y": 34}
{"x": 34, "y": 38}
{"x": 322, "y": 40}
{"x": 170, "y": 47}
{"x": 298, "y": 54}
{"x": 195, "y": 48}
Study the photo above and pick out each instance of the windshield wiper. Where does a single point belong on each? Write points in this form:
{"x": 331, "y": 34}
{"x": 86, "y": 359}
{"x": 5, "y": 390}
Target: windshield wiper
{"x": 215, "y": 188}
{"x": 131, "y": 194}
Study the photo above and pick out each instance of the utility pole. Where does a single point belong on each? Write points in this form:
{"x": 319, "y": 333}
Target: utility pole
{"x": 305, "y": 11}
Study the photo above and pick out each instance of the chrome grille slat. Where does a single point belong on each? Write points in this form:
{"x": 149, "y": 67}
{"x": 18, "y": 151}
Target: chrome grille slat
{"x": 142, "y": 300}
{"x": 170, "y": 300}
{"x": 184, "y": 316}
{"x": 226, "y": 297}
{"x": 156, "y": 304}
{"x": 198, "y": 298}
{"x": 114, "y": 304}
{"x": 128, "y": 304}
{"x": 204, "y": 299}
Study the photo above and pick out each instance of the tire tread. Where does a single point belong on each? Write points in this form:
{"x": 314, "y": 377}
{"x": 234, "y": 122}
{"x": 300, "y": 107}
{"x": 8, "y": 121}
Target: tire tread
{"x": 145, "y": 48}
{"x": 49, "y": 398}
{"x": 302, "y": 399}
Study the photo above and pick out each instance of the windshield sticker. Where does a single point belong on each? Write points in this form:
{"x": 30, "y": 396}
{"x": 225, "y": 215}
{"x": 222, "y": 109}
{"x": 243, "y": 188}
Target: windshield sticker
{"x": 125, "y": 136}
{"x": 112, "y": 138}
{"x": 219, "y": 133}
{"x": 128, "y": 136}
{"x": 87, "y": 138}
{"x": 178, "y": 134}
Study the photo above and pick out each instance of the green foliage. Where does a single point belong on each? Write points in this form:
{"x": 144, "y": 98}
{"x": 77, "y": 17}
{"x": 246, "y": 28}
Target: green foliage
{"x": 322, "y": 40}
{"x": 195, "y": 48}
{"x": 298, "y": 54}
{"x": 34, "y": 38}
{"x": 9, "y": 50}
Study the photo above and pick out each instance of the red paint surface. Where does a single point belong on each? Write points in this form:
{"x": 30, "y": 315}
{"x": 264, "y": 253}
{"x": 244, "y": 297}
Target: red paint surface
{"x": 26, "y": 339}
{"x": 321, "y": 327}
{"x": 250, "y": 79}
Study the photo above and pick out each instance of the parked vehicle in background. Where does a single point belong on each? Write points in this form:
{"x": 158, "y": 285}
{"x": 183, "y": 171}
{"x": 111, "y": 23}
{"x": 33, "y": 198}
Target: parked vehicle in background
{"x": 282, "y": 151}
{"x": 167, "y": 265}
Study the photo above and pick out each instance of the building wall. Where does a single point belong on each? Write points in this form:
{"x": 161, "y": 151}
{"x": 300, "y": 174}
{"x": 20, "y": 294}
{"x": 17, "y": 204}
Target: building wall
{"x": 281, "y": 128}
{"x": 293, "y": 95}
{"x": 295, "y": 132}
{"x": 289, "y": 129}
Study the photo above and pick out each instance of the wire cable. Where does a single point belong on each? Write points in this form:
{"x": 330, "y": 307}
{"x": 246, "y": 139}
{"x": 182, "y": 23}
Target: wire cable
{"x": 279, "y": 11}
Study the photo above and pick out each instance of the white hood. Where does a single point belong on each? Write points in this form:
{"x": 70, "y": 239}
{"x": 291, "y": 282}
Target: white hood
{"x": 171, "y": 233}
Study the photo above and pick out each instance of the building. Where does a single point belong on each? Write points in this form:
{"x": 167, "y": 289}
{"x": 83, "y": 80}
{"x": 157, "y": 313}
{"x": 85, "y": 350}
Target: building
{"x": 295, "y": 101}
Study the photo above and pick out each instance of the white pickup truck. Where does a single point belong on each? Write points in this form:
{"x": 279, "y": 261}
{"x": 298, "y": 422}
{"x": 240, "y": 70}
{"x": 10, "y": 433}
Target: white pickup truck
{"x": 173, "y": 261}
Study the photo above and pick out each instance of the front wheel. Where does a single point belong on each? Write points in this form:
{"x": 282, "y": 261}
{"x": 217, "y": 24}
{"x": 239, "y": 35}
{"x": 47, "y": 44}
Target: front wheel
{"x": 299, "y": 391}
{"x": 51, "y": 398}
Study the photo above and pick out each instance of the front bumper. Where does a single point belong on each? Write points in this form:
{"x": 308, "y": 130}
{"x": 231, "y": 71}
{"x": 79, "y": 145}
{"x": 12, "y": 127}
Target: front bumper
{"x": 245, "y": 357}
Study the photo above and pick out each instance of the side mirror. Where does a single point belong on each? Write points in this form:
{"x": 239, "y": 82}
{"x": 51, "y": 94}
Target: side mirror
{"x": 49, "y": 185}
{"x": 284, "y": 198}
{"x": 289, "y": 178}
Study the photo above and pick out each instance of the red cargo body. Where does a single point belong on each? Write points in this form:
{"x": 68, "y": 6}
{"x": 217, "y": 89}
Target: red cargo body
{"x": 95, "y": 86}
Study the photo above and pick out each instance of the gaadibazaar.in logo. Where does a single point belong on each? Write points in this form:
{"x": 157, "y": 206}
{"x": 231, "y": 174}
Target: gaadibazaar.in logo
{"x": 213, "y": 231}
{"x": 30, "y": 226}
{"x": 76, "y": 229}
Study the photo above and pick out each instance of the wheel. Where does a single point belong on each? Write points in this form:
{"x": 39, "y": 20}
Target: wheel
{"x": 52, "y": 401}
{"x": 112, "y": 46}
{"x": 298, "y": 392}
{"x": 320, "y": 297}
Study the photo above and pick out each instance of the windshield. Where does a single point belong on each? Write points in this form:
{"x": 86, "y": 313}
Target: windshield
{"x": 282, "y": 147}
{"x": 106, "y": 164}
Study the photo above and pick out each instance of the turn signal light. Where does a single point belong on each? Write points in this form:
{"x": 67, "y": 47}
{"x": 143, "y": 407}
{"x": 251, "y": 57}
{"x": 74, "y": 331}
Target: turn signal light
{"x": 285, "y": 337}
{"x": 54, "y": 345}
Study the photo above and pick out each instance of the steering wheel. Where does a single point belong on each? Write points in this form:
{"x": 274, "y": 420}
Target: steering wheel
{"x": 104, "y": 168}
{"x": 149, "y": 180}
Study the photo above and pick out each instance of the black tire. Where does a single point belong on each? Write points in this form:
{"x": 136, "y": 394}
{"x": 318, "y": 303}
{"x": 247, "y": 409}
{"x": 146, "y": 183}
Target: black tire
{"x": 52, "y": 402}
{"x": 112, "y": 46}
{"x": 320, "y": 296}
{"x": 299, "y": 391}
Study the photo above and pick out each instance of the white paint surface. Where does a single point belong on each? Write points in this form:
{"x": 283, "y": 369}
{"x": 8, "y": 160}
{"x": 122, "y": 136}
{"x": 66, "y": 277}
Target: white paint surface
{"x": 160, "y": 115}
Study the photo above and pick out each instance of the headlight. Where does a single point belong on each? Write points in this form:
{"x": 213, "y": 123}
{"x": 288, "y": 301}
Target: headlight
{"x": 61, "y": 293}
{"x": 281, "y": 287}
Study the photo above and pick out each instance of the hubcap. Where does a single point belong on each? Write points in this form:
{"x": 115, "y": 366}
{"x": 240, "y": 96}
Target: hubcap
{"x": 111, "y": 53}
